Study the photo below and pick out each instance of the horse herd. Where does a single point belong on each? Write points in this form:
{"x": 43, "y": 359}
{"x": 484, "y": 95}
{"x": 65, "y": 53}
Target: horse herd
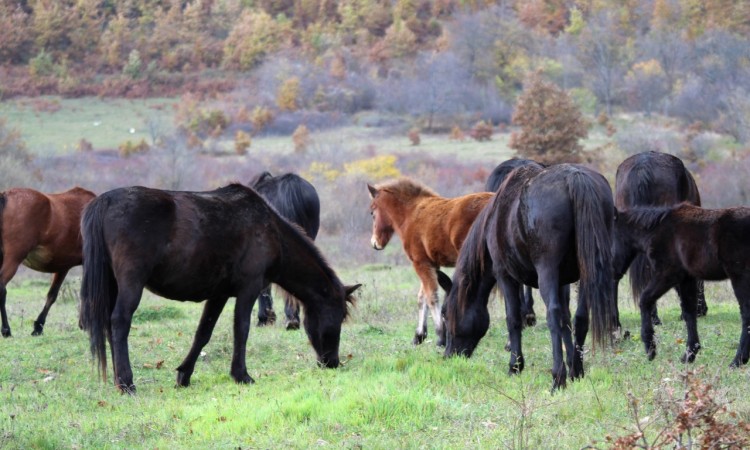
{"x": 536, "y": 226}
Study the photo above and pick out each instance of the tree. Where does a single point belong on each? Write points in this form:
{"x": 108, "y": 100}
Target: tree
{"x": 551, "y": 124}
{"x": 14, "y": 159}
{"x": 646, "y": 84}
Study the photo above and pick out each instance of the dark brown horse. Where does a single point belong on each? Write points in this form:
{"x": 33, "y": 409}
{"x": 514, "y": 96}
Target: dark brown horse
{"x": 431, "y": 228}
{"x": 195, "y": 246}
{"x": 297, "y": 201}
{"x": 654, "y": 179}
{"x": 545, "y": 228}
{"x": 684, "y": 243}
{"x": 42, "y": 232}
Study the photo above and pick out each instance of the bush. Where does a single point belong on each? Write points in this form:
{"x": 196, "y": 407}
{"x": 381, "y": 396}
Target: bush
{"x": 260, "y": 118}
{"x": 287, "y": 97}
{"x": 242, "y": 142}
{"x": 481, "y": 131}
{"x": 14, "y": 159}
{"x": 551, "y": 124}
{"x": 457, "y": 134}
{"x": 42, "y": 64}
{"x": 414, "y": 136}
{"x": 301, "y": 139}
{"x": 129, "y": 148}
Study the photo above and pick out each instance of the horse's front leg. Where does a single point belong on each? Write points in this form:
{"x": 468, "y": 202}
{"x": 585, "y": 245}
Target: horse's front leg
{"x": 688, "y": 293}
{"x": 512, "y": 294}
{"x": 9, "y": 268}
{"x": 657, "y": 287}
{"x": 5, "y": 325}
{"x": 549, "y": 289}
{"x": 243, "y": 308}
{"x": 425, "y": 299}
{"x": 127, "y": 302}
{"x": 57, "y": 281}
{"x": 211, "y": 312}
{"x": 741, "y": 287}
{"x": 529, "y": 316}
{"x": 574, "y": 350}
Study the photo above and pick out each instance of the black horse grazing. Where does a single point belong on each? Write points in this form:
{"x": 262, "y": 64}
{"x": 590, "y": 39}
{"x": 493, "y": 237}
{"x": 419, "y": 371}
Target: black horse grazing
{"x": 545, "y": 228}
{"x": 684, "y": 243}
{"x": 493, "y": 183}
{"x": 194, "y": 246}
{"x": 654, "y": 179}
{"x": 297, "y": 201}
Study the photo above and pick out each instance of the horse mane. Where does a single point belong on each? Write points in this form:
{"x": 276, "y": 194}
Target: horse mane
{"x": 645, "y": 217}
{"x": 406, "y": 188}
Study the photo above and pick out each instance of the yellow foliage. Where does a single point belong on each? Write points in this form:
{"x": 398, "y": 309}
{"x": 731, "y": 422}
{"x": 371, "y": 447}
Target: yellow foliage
{"x": 301, "y": 139}
{"x": 287, "y": 98}
{"x": 324, "y": 170}
{"x": 648, "y": 68}
{"x": 376, "y": 168}
{"x": 242, "y": 142}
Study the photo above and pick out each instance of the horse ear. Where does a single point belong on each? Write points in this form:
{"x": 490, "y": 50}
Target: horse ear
{"x": 373, "y": 191}
{"x": 350, "y": 289}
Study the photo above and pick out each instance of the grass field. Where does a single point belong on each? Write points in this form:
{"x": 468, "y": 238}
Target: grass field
{"x": 55, "y": 126}
{"x": 388, "y": 394}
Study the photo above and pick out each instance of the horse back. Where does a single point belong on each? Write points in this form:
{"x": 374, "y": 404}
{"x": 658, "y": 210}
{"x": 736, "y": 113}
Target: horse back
{"x": 438, "y": 227}
{"x": 189, "y": 246}
{"x": 293, "y": 197}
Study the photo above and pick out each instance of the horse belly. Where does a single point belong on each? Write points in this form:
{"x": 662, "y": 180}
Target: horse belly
{"x": 39, "y": 259}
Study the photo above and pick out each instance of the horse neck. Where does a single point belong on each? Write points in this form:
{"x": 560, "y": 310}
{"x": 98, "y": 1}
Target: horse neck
{"x": 400, "y": 210}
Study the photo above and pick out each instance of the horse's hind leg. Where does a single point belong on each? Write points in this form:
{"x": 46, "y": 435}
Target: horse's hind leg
{"x": 266, "y": 316}
{"x": 688, "y": 293}
{"x": 549, "y": 289}
{"x": 57, "y": 281}
{"x": 529, "y": 316}
{"x": 291, "y": 310}
{"x": 511, "y": 291}
{"x": 5, "y": 326}
{"x": 127, "y": 302}
{"x": 211, "y": 312}
{"x": 702, "y": 309}
{"x": 574, "y": 349}
{"x": 653, "y": 291}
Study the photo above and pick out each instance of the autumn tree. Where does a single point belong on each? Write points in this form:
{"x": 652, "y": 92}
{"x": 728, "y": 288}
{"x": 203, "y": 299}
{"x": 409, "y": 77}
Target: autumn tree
{"x": 551, "y": 124}
{"x": 254, "y": 36}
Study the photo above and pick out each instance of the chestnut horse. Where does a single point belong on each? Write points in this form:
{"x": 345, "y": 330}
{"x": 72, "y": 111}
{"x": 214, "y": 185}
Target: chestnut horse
{"x": 432, "y": 229}
{"x": 654, "y": 179}
{"x": 682, "y": 244}
{"x": 42, "y": 232}
{"x": 545, "y": 228}
{"x": 195, "y": 246}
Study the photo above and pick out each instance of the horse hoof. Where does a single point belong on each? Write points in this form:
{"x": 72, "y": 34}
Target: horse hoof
{"x": 418, "y": 338}
{"x": 656, "y": 320}
{"x": 126, "y": 389}
{"x": 688, "y": 357}
{"x": 5, "y": 332}
{"x": 244, "y": 379}
{"x": 38, "y": 329}
{"x": 292, "y": 325}
{"x": 651, "y": 354}
{"x": 183, "y": 379}
{"x": 530, "y": 320}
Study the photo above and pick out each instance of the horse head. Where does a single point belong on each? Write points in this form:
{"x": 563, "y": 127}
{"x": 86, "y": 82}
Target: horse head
{"x": 323, "y": 327}
{"x": 382, "y": 226}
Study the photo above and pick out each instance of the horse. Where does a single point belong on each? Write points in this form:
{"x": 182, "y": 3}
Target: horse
{"x": 496, "y": 178}
{"x": 654, "y": 179}
{"x": 432, "y": 229}
{"x": 297, "y": 201}
{"x": 195, "y": 246}
{"x": 547, "y": 228}
{"x": 42, "y": 232}
{"x": 684, "y": 243}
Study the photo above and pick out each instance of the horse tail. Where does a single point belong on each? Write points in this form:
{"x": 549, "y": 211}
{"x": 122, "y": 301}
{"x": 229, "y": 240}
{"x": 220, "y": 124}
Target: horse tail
{"x": 444, "y": 281}
{"x": 98, "y": 285}
{"x": 593, "y": 225}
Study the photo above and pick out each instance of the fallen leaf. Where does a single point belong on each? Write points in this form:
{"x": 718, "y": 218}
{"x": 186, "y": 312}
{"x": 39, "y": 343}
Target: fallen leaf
{"x": 159, "y": 364}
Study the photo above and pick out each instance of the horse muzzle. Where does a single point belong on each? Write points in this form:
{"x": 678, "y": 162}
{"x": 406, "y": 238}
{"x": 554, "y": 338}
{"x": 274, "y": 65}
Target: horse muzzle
{"x": 375, "y": 244}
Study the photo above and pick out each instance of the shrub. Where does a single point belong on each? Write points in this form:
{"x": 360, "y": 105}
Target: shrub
{"x": 457, "y": 134}
{"x": 254, "y": 35}
{"x": 85, "y": 146}
{"x": 242, "y": 142}
{"x": 376, "y": 168}
{"x": 481, "y": 131}
{"x": 133, "y": 68}
{"x": 129, "y": 148}
{"x": 260, "y": 118}
{"x": 287, "y": 97}
{"x": 14, "y": 159}
{"x": 42, "y": 64}
{"x": 414, "y": 136}
{"x": 551, "y": 124}
{"x": 301, "y": 139}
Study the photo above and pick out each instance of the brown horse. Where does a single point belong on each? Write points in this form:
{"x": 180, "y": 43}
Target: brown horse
{"x": 431, "y": 228}
{"x": 42, "y": 232}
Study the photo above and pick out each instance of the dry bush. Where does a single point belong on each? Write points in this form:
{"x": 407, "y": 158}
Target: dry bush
{"x": 551, "y": 124}
{"x": 695, "y": 419}
{"x": 14, "y": 159}
{"x": 301, "y": 138}
{"x": 260, "y": 118}
{"x": 85, "y": 146}
{"x": 414, "y": 136}
{"x": 481, "y": 131}
{"x": 457, "y": 134}
{"x": 288, "y": 95}
{"x": 129, "y": 148}
{"x": 242, "y": 142}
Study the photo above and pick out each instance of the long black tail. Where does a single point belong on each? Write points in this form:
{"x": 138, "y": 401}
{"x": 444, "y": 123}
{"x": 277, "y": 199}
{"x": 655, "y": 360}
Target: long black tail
{"x": 98, "y": 286}
{"x": 594, "y": 240}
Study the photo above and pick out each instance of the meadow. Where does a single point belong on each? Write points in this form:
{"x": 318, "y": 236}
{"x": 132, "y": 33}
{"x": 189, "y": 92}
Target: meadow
{"x": 387, "y": 394}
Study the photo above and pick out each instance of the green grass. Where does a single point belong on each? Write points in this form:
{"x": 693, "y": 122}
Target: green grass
{"x": 55, "y": 126}
{"x": 388, "y": 394}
